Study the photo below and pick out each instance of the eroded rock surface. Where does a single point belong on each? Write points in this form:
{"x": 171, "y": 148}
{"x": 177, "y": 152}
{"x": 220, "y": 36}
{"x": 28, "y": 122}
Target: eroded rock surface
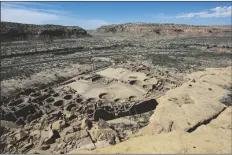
{"x": 16, "y": 31}
{"x": 175, "y": 127}
{"x": 163, "y": 29}
{"x": 84, "y": 94}
{"x": 86, "y": 112}
{"x": 194, "y": 103}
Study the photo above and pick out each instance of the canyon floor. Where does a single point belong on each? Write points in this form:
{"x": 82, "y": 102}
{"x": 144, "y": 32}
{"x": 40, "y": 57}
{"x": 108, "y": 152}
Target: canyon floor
{"x": 117, "y": 93}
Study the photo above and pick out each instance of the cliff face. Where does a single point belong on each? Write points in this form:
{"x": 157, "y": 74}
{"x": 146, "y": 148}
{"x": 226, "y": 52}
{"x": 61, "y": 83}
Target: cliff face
{"x": 16, "y": 31}
{"x": 164, "y": 29}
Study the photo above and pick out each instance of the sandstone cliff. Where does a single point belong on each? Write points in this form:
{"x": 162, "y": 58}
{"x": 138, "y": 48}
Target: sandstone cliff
{"x": 163, "y": 29}
{"x": 17, "y": 31}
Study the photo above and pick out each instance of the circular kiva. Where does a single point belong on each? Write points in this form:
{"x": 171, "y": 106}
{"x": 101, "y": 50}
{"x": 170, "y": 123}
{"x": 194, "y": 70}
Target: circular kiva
{"x": 104, "y": 96}
{"x": 135, "y": 82}
{"x": 117, "y": 100}
{"x": 90, "y": 111}
{"x": 58, "y": 103}
{"x": 96, "y": 78}
{"x": 45, "y": 90}
{"x": 28, "y": 91}
{"x": 146, "y": 80}
{"x": 148, "y": 86}
{"x": 69, "y": 107}
{"x": 56, "y": 95}
{"x": 78, "y": 100}
{"x": 68, "y": 97}
{"x": 36, "y": 94}
{"x": 50, "y": 100}
{"x": 91, "y": 100}
{"x": 51, "y": 92}
{"x": 132, "y": 98}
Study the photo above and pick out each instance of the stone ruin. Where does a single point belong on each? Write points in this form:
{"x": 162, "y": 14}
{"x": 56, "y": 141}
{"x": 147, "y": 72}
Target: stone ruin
{"x": 44, "y": 121}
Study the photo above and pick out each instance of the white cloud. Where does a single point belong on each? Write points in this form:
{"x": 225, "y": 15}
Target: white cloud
{"x": 26, "y": 16}
{"x": 86, "y": 24}
{"x": 217, "y": 12}
{"x": 20, "y": 13}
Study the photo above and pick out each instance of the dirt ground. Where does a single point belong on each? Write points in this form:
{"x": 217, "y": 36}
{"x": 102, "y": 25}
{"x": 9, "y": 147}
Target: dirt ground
{"x": 116, "y": 91}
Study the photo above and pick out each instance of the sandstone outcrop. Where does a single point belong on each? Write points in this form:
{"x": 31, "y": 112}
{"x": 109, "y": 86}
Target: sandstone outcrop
{"x": 17, "y": 31}
{"x": 209, "y": 139}
{"x": 163, "y": 29}
{"x": 188, "y": 119}
{"x": 196, "y": 102}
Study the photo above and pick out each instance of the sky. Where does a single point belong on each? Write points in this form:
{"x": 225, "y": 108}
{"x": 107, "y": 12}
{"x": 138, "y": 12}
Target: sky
{"x": 91, "y": 15}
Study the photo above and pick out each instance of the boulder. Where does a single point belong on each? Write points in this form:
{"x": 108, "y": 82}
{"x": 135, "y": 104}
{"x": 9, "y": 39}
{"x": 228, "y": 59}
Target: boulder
{"x": 27, "y": 147}
{"x": 45, "y": 147}
{"x": 8, "y": 124}
{"x": 82, "y": 133}
{"x": 85, "y": 124}
{"x": 68, "y": 115}
{"x": 20, "y": 136}
{"x": 84, "y": 144}
{"x": 68, "y": 130}
{"x": 58, "y": 125}
{"x": 49, "y": 136}
{"x": 76, "y": 135}
{"x": 122, "y": 120}
{"x": 213, "y": 138}
{"x": 69, "y": 137}
{"x": 102, "y": 134}
{"x": 102, "y": 124}
{"x": 102, "y": 144}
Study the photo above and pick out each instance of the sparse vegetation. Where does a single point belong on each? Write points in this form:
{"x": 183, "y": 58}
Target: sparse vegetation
{"x": 60, "y": 92}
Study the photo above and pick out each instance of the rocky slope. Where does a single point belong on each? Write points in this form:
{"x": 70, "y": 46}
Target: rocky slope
{"x": 195, "y": 103}
{"x": 215, "y": 138}
{"x": 17, "y": 31}
{"x": 193, "y": 118}
{"x": 164, "y": 29}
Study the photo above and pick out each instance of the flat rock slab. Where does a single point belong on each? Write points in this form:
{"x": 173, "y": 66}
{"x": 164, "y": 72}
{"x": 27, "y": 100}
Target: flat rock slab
{"x": 123, "y": 74}
{"x": 193, "y": 103}
{"x": 113, "y": 91}
{"x": 214, "y": 138}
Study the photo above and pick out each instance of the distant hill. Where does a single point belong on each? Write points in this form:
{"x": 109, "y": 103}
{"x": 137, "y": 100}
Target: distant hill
{"x": 163, "y": 29}
{"x": 16, "y": 31}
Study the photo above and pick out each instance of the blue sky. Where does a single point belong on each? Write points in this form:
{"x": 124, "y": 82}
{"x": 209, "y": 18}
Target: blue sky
{"x": 91, "y": 15}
